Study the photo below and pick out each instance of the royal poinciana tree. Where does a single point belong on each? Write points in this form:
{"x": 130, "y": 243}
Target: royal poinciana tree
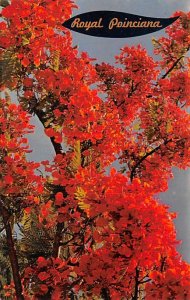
{"x": 84, "y": 229}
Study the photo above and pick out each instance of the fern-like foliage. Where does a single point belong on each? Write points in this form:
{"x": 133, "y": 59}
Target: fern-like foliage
{"x": 9, "y": 68}
{"x": 4, "y": 3}
{"x": 56, "y": 60}
{"x": 36, "y": 240}
{"x": 76, "y": 160}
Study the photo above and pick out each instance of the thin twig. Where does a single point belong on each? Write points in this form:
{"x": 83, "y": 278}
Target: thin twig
{"x": 144, "y": 157}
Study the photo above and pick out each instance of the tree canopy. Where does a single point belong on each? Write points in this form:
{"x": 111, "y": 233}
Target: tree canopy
{"x": 86, "y": 230}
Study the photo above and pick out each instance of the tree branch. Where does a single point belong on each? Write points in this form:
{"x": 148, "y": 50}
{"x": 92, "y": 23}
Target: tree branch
{"x": 144, "y": 157}
{"x": 136, "y": 292}
{"x": 58, "y": 150}
{"x": 105, "y": 294}
{"x": 57, "y": 239}
{"x": 172, "y": 67}
{"x": 12, "y": 252}
{"x": 41, "y": 116}
{"x": 163, "y": 262}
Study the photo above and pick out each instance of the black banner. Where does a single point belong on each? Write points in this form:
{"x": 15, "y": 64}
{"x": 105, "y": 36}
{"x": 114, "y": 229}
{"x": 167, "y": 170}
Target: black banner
{"x": 113, "y": 24}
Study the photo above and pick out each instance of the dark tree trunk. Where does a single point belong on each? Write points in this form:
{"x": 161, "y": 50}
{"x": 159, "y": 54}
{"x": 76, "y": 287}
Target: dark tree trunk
{"x": 57, "y": 239}
{"x": 136, "y": 292}
{"x": 12, "y": 253}
{"x": 58, "y": 150}
{"x": 105, "y": 294}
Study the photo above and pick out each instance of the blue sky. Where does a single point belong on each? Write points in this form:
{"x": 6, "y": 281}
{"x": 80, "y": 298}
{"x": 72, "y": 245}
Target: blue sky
{"x": 105, "y": 49}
